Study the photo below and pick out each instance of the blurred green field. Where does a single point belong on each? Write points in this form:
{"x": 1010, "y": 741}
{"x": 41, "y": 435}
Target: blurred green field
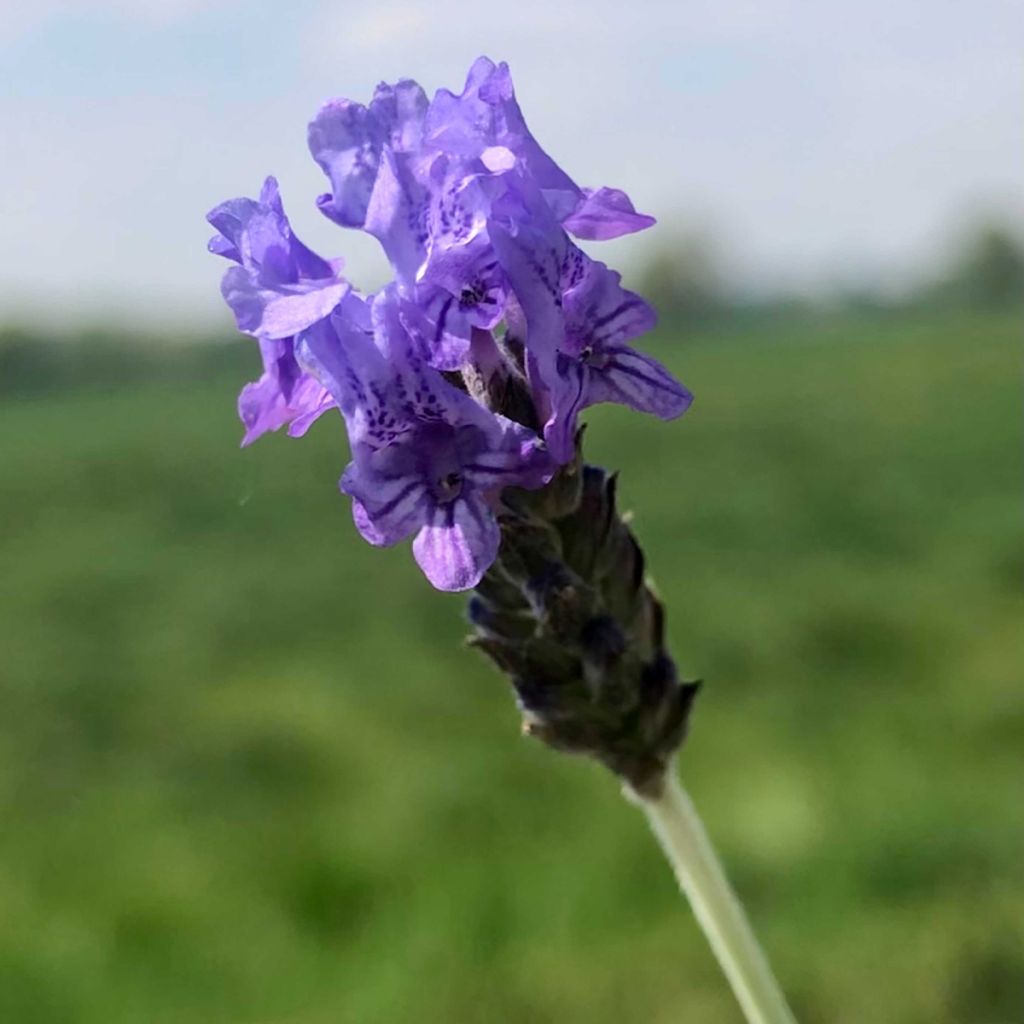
{"x": 247, "y": 773}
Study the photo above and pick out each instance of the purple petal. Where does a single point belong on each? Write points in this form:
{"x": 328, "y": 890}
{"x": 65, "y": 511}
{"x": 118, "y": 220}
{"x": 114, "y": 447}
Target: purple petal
{"x": 439, "y": 327}
{"x": 605, "y": 213}
{"x": 456, "y": 212}
{"x": 316, "y": 402}
{"x": 463, "y": 123}
{"x": 576, "y": 265}
{"x": 280, "y": 312}
{"x": 287, "y": 314}
{"x": 531, "y": 252}
{"x": 396, "y": 215}
{"x": 524, "y": 463}
{"x": 220, "y": 246}
{"x": 642, "y": 383}
{"x": 599, "y": 312}
{"x": 458, "y": 544}
{"x": 382, "y": 382}
{"x": 257, "y": 234}
{"x": 400, "y": 109}
{"x": 530, "y": 248}
{"x": 418, "y": 391}
{"x": 340, "y": 352}
{"x": 349, "y": 142}
{"x": 486, "y": 115}
{"x": 345, "y": 139}
{"x": 472, "y": 274}
{"x": 386, "y": 510}
{"x": 365, "y": 526}
{"x": 569, "y": 394}
{"x": 283, "y": 394}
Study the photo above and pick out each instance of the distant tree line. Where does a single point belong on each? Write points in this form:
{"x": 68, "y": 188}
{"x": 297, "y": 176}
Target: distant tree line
{"x": 685, "y": 281}
{"x": 32, "y": 363}
{"x": 987, "y": 274}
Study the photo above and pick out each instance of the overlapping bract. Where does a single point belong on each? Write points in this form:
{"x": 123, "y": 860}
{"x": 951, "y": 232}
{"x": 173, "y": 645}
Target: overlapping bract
{"x": 475, "y": 219}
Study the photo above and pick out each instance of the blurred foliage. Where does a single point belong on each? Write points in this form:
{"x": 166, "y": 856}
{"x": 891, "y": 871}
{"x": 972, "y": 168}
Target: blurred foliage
{"x": 34, "y": 364}
{"x": 987, "y": 273}
{"x": 247, "y": 774}
{"x": 685, "y": 279}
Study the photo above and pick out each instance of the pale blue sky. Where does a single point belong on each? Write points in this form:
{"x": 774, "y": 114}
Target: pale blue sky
{"x": 824, "y": 143}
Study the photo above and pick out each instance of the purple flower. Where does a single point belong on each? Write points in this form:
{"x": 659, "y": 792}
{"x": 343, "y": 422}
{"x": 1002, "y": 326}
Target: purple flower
{"x": 372, "y": 156}
{"x": 347, "y": 140}
{"x": 436, "y": 236}
{"x": 408, "y": 172}
{"x": 605, "y": 213}
{"x": 284, "y": 394}
{"x": 594, "y": 364}
{"x": 486, "y": 115}
{"x": 575, "y": 318}
{"x": 475, "y": 219}
{"x": 426, "y": 458}
{"x": 461, "y": 291}
{"x": 279, "y": 288}
{"x": 424, "y": 204}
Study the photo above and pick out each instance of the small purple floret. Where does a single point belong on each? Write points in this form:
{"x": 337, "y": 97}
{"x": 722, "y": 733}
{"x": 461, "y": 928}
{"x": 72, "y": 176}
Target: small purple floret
{"x": 426, "y": 458}
{"x": 278, "y": 288}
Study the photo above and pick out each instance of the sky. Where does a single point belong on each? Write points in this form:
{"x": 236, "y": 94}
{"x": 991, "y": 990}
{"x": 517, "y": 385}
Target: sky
{"x": 830, "y": 144}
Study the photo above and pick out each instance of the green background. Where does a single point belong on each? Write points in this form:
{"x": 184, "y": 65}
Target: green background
{"x": 248, "y": 774}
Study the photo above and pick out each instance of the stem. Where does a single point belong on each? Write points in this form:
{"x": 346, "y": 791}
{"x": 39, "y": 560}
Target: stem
{"x": 686, "y": 844}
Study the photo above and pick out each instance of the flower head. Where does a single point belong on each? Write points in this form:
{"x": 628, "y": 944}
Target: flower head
{"x": 496, "y": 323}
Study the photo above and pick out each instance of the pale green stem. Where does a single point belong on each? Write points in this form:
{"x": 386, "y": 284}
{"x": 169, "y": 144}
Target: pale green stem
{"x": 682, "y": 836}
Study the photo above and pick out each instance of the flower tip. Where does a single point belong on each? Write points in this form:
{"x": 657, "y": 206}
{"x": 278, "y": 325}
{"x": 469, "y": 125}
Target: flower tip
{"x": 482, "y": 67}
{"x": 220, "y": 246}
{"x": 370, "y": 533}
{"x": 685, "y": 400}
{"x": 270, "y": 193}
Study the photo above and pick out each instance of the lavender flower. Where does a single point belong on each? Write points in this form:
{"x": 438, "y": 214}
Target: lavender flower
{"x": 464, "y": 377}
{"x": 486, "y": 115}
{"x": 279, "y": 288}
{"x": 403, "y": 169}
{"x": 347, "y": 140}
{"x": 594, "y": 364}
{"x": 463, "y": 291}
{"x": 427, "y": 458}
